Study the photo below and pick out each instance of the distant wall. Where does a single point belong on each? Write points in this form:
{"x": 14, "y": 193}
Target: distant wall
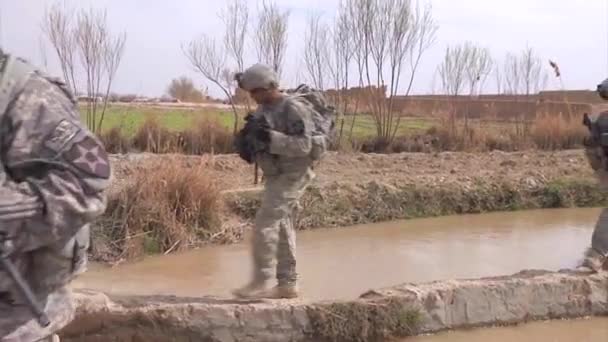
{"x": 576, "y": 96}
{"x": 580, "y": 96}
{"x": 492, "y": 106}
{"x": 488, "y": 109}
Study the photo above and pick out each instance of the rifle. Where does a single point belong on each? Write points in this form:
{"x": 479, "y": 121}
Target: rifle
{"x": 22, "y": 286}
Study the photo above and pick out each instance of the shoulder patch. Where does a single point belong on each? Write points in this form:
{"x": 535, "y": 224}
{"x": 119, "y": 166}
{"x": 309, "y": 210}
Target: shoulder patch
{"x": 62, "y": 134}
{"x": 90, "y": 157}
{"x": 297, "y": 127}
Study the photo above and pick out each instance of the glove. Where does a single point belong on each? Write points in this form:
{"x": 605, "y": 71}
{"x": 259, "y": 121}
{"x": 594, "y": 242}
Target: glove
{"x": 248, "y": 117}
{"x": 263, "y": 135}
{"x": 262, "y": 130}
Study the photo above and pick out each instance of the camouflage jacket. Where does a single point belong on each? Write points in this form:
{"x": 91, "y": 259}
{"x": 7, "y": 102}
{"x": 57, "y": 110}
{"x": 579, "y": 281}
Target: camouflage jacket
{"x": 54, "y": 173}
{"x": 291, "y": 138}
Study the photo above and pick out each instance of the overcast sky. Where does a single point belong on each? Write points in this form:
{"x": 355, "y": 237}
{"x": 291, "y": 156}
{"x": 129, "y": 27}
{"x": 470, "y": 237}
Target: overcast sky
{"x": 571, "y": 32}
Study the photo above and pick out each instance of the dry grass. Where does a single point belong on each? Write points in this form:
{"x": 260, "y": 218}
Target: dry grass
{"x": 545, "y": 132}
{"x": 206, "y": 136}
{"x": 555, "y": 132}
{"x": 154, "y": 137}
{"x": 203, "y": 136}
{"x": 115, "y": 140}
{"x": 164, "y": 208}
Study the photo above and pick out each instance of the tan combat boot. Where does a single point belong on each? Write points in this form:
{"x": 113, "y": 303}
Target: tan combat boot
{"x": 284, "y": 292}
{"x": 253, "y": 290}
{"x": 594, "y": 261}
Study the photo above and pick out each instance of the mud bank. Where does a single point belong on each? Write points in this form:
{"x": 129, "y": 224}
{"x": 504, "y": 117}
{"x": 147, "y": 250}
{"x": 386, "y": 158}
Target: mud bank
{"x": 345, "y": 204}
{"x": 400, "y": 311}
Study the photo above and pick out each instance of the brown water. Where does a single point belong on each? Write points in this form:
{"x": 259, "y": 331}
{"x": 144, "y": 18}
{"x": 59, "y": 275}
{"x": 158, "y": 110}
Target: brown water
{"x": 343, "y": 263}
{"x": 581, "y": 330}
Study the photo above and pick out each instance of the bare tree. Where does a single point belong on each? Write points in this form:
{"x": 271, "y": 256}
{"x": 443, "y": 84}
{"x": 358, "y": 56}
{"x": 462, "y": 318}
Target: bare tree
{"x": 113, "y": 50}
{"x": 453, "y": 70}
{"x": 342, "y": 49}
{"x": 57, "y": 26}
{"x": 357, "y": 23}
{"x": 271, "y": 36}
{"x": 100, "y": 55}
{"x": 453, "y": 76}
{"x": 393, "y": 33}
{"x": 316, "y": 56}
{"x": 207, "y": 57}
{"x": 90, "y": 35}
{"x": 464, "y": 68}
{"x": 480, "y": 66}
{"x": 533, "y": 77}
{"x": 498, "y": 78}
{"x": 464, "y": 65}
{"x": 524, "y": 73}
{"x": 236, "y": 19}
{"x": 512, "y": 77}
{"x": 86, "y": 37}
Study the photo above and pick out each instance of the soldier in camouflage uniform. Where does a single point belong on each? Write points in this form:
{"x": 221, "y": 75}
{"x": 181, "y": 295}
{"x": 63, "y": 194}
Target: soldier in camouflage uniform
{"x": 286, "y": 164}
{"x": 53, "y": 177}
{"x": 596, "y": 150}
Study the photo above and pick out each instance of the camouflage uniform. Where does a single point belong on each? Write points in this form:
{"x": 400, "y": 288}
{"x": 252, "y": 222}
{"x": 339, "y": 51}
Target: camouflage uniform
{"x": 53, "y": 177}
{"x": 596, "y": 153}
{"x": 287, "y": 168}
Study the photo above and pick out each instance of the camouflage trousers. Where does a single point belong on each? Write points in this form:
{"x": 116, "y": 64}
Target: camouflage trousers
{"x": 599, "y": 239}
{"x": 274, "y": 238}
{"x": 18, "y": 325}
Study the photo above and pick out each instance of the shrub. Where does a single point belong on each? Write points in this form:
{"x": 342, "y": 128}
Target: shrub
{"x": 553, "y": 132}
{"x": 115, "y": 141}
{"x": 165, "y": 207}
{"x": 206, "y": 136}
{"x": 153, "y": 137}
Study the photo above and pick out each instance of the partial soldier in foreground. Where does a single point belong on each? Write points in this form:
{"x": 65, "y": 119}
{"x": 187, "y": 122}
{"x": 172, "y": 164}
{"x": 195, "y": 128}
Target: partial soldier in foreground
{"x": 54, "y": 172}
{"x": 596, "y": 150}
{"x": 286, "y": 137}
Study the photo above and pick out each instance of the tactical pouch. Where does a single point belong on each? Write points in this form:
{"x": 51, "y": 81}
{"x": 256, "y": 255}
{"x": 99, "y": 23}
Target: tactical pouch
{"x": 55, "y": 265}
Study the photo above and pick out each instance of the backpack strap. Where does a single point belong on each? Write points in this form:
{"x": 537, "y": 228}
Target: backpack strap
{"x": 14, "y": 73}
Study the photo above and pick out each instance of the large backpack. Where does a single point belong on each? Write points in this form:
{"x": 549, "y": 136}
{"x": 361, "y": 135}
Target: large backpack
{"x": 324, "y": 118}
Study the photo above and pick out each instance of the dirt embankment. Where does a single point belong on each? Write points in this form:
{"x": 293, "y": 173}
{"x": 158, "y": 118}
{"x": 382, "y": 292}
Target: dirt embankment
{"x": 400, "y": 311}
{"x": 422, "y": 169}
{"x": 363, "y": 188}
